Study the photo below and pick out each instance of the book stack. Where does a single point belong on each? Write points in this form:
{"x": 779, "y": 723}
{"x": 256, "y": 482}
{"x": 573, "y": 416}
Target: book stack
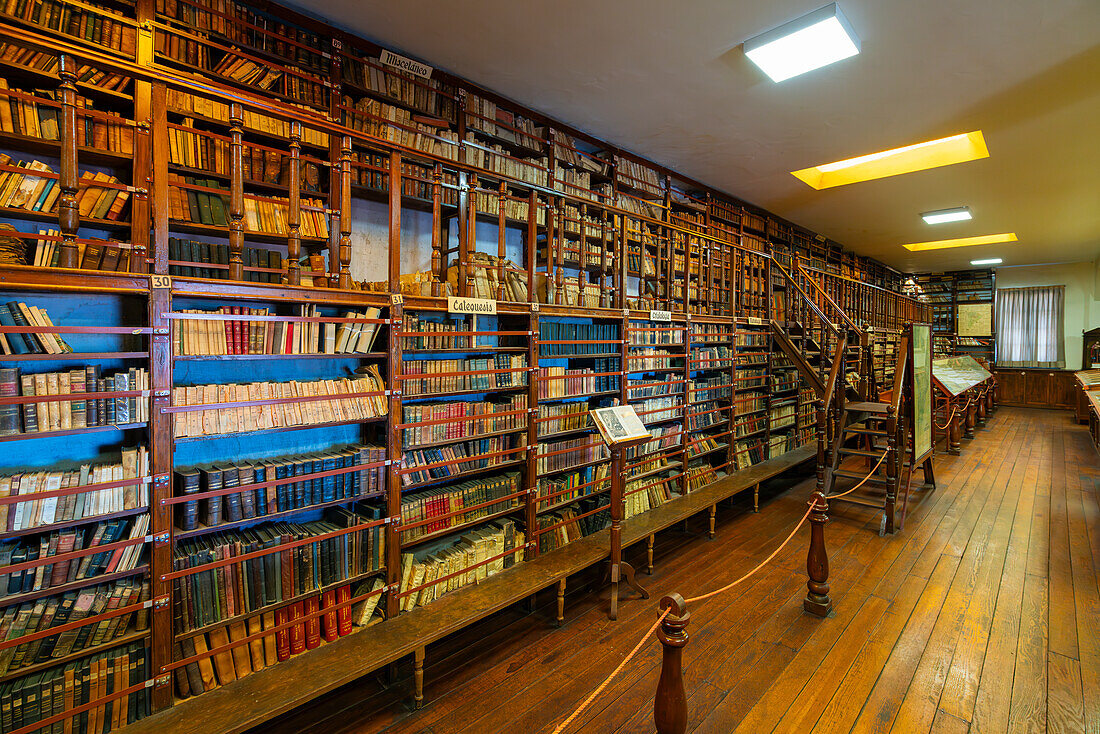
{"x": 70, "y": 571}
{"x": 483, "y": 269}
{"x": 400, "y": 126}
{"x": 700, "y": 475}
{"x": 217, "y": 111}
{"x": 441, "y": 378}
{"x": 335, "y": 408}
{"x": 457, "y": 458}
{"x": 41, "y": 119}
{"x": 704, "y": 415}
{"x": 495, "y": 158}
{"x": 654, "y": 335}
{"x": 454, "y": 424}
{"x": 751, "y": 378}
{"x": 46, "y": 62}
{"x": 293, "y": 495}
{"x": 643, "y": 495}
{"x": 262, "y": 215}
{"x": 703, "y": 445}
{"x": 247, "y": 71}
{"x": 749, "y": 452}
{"x": 20, "y": 620}
{"x": 17, "y": 313}
{"x": 444, "y": 502}
{"x": 429, "y": 334}
{"x": 638, "y": 389}
{"x": 75, "y": 413}
{"x": 108, "y": 255}
{"x": 217, "y": 595}
{"x": 562, "y": 382}
{"x": 784, "y": 380}
{"x": 573, "y": 182}
{"x": 663, "y": 437}
{"x": 571, "y": 524}
{"x": 566, "y": 487}
{"x": 574, "y": 453}
{"x": 783, "y": 414}
{"x": 430, "y": 96}
{"x": 245, "y": 336}
{"x": 749, "y": 404}
{"x": 35, "y": 513}
{"x": 563, "y": 417}
{"x": 99, "y": 26}
{"x": 601, "y": 336}
{"x": 207, "y": 253}
{"x": 469, "y": 552}
{"x": 710, "y": 388}
{"x": 43, "y": 695}
{"x": 650, "y": 359}
{"x": 711, "y": 358}
{"x": 655, "y": 410}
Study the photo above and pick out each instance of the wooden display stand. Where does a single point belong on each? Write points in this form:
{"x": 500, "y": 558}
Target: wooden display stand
{"x": 964, "y": 392}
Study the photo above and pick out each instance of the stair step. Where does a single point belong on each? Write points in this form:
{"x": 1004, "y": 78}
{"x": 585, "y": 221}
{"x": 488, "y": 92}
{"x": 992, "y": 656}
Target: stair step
{"x": 856, "y": 500}
{"x": 860, "y": 452}
{"x": 866, "y": 407}
{"x": 865, "y": 431}
{"x": 875, "y": 479}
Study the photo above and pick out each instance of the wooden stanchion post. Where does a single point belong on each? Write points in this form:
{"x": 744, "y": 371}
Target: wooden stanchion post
{"x": 670, "y": 703}
{"x": 817, "y": 599}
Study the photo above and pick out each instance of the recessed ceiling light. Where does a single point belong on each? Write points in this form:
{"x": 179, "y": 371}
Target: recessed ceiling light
{"x": 817, "y": 39}
{"x": 989, "y": 261}
{"x": 918, "y": 157}
{"x": 985, "y": 239}
{"x": 942, "y": 216}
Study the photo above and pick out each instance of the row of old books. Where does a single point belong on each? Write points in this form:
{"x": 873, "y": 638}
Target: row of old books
{"x": 430, "y": 96}
{"x": 644, "y": 335}
{"x": 750, "y": 451}
{"x": 28, "y": 618}
{"x": 17, "y": 313}
{"x": 707, "y": 414}
{"x": 99, "y": 26}
{"x": 485, "y": 116}
{"x": 476, "y": 555}
{"x": 452, "y": 420}
{"x": 93, "y": 503}
{"x": 290, "y": 495}
{"x": 33, "y": 698}
{"x": 62, "y": 542}
{"x": 703, "y": 445}
{"x": 710, "y": 388}
{"x": 750, "y": 424}
{"x": 447, "y": 503}
{"x": 784, "y": 380}
{"x": 196, "y": 149}
{"x": 496, "y": 159}
{"x": 743, "y": 405}
{"x": 700, "y": 475}
{"x": 455, "y": 459}
{"x": 212, "y": 109}
{"x": 11, "y": 53}
{"x": 227, "y": 666}
{"x": 557, "y": 456}
{"x": 561, "y": 382}
{"x": 652, "y": 359}
{"x": 67, "y": 414}
{"x": 783, "y": 414}
{"x": 35, "y": 193}
{"x": 566, "y": 487}
{"x": 267, "y": 215}
{"x": 711, "y": 358}
{"x": 40, "y": 118}
{"x": 599, "y": 338}
{"x": 563, "y": 417}
{"x": 659, "y": 409}
{"x": 400, "y": 126}
{"x": 423, "y": 333}
{"x": 442, "y": 376}
{"x": 639, "y": 176}
{"x": 371, "y": 169}
{"x": 248, "y": 336}
{"x": 647, "y": 493}
{"x": 563, "y": 526}
{"x": 219, "y": 594}
{"x": 208, "y": 253}
{"x": 108, "y": 255}
{"x": 483, "y": 274}
{"x": 326, "y": 401}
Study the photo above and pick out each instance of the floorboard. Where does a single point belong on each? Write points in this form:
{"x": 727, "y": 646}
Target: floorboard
{"x": 981, "y": 615}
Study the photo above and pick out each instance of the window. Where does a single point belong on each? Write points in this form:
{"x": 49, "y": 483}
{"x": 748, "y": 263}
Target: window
{"x": 1030, "y": 329}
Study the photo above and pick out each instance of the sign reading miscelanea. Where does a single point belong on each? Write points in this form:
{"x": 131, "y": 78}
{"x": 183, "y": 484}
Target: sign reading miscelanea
{"x": 404, "y": 63}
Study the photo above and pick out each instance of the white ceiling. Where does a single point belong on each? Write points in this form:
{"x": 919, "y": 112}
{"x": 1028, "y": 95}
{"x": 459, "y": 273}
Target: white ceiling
{"x": 667, "y": 79}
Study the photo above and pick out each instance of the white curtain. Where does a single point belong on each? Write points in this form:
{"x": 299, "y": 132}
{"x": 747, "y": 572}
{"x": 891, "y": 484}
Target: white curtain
{"x": 1030, "y": 327}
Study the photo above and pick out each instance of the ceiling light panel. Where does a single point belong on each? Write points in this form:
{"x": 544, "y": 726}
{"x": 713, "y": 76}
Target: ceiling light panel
{"x": 987, "y": 261}
{"x": 817, "y": 39}
{"x": 985, "y": 239}
{"x": 917, "y": 157}
{"x": 943, "y": 216}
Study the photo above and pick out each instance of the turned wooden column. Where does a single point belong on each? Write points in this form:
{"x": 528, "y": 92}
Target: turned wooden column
{"x": 605, "y": 284}
{"x": 343, "y": 249}
{"x": 670, "y": 702}
{"x": 817, "y": 599}
{"x": 236, "y": 192}
{"x": 294, "y": 207}
{"x": 68, "y": 213}
{"x": 501, "y": 222}
{"x": 439, "y": 276}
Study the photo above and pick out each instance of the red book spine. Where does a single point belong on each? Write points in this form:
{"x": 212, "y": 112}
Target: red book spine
{"x": 343, "y": 594}
{"x": 313, "y": 624}
{"x": 282, "y": 637}
{"x": 227, "y": 324}
{"x": 238, "y": 332}
{"x": 329, "y": 628}
{"x": 298, "y": 631}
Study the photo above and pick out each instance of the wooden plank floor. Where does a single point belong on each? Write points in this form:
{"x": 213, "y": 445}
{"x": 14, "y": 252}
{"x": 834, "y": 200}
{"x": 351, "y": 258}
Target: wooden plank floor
{"x": 983, "y": 615}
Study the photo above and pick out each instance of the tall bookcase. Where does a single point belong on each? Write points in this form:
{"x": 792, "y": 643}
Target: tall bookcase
{"x": 257, "y": 223}
{"x": 947, "y": 293}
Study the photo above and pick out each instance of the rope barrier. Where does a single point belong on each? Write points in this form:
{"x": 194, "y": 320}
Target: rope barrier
{"x": 861, "y": 481}
{"x": 950, "y": 418}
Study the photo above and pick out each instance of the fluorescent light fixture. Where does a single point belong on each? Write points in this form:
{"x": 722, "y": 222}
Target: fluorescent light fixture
{"x": 942, "y": 216}
{"x": 918, "y": 157}
{"x": 817, "y": 39}
{"x": 985, "y": 239}
{"x": 989, "y": 261}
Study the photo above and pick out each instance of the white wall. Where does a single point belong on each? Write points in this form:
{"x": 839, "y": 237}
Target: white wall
{"x": 1082, "y": 307}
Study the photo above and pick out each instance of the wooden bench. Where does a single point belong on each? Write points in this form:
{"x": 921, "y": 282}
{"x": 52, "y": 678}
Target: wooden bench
{"x": 279, "y": 688}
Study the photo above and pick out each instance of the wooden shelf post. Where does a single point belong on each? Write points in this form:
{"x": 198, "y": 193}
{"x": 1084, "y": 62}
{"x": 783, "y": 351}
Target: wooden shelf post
{"x": 670, "y": 702}
{"x": 294, "y": 208}
{"x": 236, "y": 192}
{"x": 68, "y": 214}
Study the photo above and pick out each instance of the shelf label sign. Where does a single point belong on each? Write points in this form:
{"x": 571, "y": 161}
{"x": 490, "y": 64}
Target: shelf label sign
{"x": 660, "y": 316}
{"x": 755, "y": 321}
{"x": 160, "y": 281}
{"x": 405, "y": 64}
{"x": 482, "y": 306}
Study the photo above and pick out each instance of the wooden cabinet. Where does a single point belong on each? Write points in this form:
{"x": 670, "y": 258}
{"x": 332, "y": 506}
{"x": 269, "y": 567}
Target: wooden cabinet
{"x": 1035, "y": 388}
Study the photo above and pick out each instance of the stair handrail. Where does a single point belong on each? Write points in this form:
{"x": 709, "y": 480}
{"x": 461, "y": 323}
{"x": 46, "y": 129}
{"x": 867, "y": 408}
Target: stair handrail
{"x": 813, "y": 305}
{"x": 825, "y": 295}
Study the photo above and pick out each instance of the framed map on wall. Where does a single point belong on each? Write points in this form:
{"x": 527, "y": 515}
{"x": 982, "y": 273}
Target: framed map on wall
{"x": 975, "y": 319}
{"x": 921, "y": 346}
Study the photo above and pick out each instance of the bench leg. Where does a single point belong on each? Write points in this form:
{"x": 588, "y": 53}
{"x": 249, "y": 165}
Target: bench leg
{"x": 561, "y": 601}
{"x": 713, "y": 512}
{"x": 418, "y": 677}
{"x": 756, "y": 498}
{"x": 649, "y": 553}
